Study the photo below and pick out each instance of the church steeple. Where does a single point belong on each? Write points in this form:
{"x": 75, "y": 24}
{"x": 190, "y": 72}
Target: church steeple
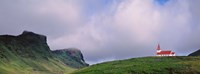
{"x": 158, "y": 47}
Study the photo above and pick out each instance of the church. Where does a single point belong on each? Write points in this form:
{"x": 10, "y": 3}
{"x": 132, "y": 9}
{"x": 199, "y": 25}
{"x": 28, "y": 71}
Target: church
{"x": 164, "y": 53}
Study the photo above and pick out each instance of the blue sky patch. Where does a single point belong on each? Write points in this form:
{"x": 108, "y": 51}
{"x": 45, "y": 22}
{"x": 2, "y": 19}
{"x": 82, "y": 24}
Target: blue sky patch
{"x": 161, "y": 2}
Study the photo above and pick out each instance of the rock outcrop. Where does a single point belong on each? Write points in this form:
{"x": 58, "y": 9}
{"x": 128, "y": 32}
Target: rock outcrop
{"x": 27, "y": 45}
{"x": 196, "y": 53}
{"x": 31, "y": 51}
{"x": 71, "y": 56}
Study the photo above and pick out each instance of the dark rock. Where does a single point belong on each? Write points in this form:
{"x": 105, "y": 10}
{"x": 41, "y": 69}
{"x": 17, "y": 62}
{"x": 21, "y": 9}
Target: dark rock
{"x": 27, "y": 45}
{"x": 33, "y": 37}
{"x": 196, "y": 53}
{"x": 74, "y": 55}
{"x": 34, "y": 46}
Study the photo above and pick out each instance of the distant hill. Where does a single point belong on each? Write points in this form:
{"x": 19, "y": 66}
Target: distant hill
{"x": 196, "y": 53}
{"x": 146, "y": 65}
{"x": 29, "y": 53}
{"x": 71, "y": 57}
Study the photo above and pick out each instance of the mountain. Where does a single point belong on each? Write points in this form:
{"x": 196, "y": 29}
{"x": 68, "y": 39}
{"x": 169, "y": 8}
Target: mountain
{"x": 71, "y": 56}
{"x": 146, "y": 65}
{"x": 29, "y": 53}
{"x": 196, "y": 53}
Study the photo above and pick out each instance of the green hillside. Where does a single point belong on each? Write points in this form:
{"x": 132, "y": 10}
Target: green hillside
{"x": 29, "y": 53}
{"x": 71, "y": 57}
{"x": 146, "y": 65}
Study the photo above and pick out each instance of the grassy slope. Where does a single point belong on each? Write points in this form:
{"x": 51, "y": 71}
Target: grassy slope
{"x": 146, "y": 65}
{"x": 28, "y": 66}
{"x": 29, "y": 54}
{"x": 14, "y": 64}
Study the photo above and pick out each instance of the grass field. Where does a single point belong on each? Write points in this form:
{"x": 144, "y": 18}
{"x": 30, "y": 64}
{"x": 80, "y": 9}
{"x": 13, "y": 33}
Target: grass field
{"x": 29, "y": 66}
{"x": 146, "y": 65}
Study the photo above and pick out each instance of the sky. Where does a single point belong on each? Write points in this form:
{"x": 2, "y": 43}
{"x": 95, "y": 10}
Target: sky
{"x": 106, "y": 30}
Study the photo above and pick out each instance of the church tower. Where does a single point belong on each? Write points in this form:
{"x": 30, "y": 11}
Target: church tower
{"x": 158, "y": 48}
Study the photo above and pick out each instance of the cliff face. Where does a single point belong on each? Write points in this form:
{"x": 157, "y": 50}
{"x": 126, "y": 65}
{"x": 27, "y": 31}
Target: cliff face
{"x": 27, "y": 45}
{"x": 71, "y": 56}
{"x": 29, "y": 52}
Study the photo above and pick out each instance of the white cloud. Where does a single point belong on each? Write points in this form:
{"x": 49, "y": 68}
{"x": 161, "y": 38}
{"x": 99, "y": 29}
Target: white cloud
{"x": 67, "y": 11}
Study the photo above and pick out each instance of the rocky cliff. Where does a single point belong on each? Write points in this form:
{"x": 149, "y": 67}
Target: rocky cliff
{"x": 30, "y": 53}
{"x": 71, "y": 56}
{"x": 26, "y": 45}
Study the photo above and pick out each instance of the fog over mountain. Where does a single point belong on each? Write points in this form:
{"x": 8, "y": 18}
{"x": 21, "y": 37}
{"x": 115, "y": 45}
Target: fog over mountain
{"x": 107, "y": 29}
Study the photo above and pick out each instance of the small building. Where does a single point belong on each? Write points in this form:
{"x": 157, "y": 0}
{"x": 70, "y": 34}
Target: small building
{"x": 164, "y": 53}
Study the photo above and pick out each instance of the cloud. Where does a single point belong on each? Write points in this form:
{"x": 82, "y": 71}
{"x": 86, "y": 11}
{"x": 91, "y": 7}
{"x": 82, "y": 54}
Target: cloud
{"x": 190, "y": 41}
{"x": 107, "y": 30}
{"x": 50, "y": 17}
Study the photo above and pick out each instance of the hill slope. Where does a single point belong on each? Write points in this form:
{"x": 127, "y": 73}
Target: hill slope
{"x": 29, "y": 53}
{"x": 196, "y": 53}
{"x": 146, "y": 65}
{"x": 71, "y": 56}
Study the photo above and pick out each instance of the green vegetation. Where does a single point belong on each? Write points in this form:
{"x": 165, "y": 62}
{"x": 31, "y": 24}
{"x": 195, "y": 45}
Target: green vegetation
{"x": 29, "y": 66}
{"x": 71, "y": 56}
{"x": 11, "y": 63}
{"x": 146, "y": 65}
{"x": 29, "y": 53}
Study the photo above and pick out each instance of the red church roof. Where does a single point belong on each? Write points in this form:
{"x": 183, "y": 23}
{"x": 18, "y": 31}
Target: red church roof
{"x": 166, "y": 52}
